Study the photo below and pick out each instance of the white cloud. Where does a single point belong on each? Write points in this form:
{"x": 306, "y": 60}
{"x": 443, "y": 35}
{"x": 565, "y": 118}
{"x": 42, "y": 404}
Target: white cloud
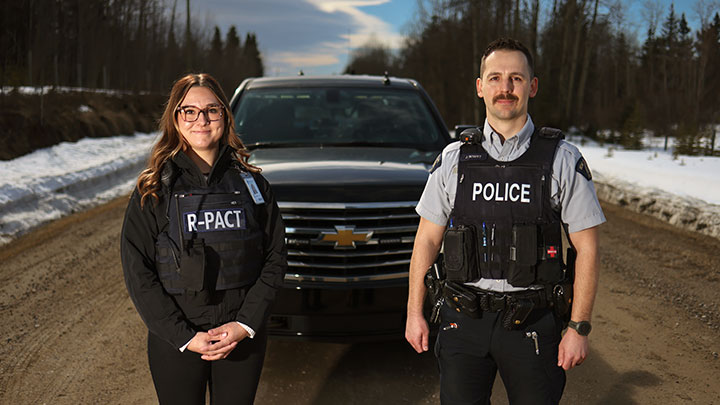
{"x": 368, "y": 26}
{"x": 362, "y": 28}
{"x": 301, "y": 59}
{"x": 313, "y": 35}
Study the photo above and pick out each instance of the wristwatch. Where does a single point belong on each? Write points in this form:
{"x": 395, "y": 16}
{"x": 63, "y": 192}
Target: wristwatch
{"x": 583, "y": 328}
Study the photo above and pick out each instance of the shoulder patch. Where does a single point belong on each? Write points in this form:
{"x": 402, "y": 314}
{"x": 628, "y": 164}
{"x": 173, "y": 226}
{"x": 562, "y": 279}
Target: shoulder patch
{"x": 583, "y": 168}
{"x": 437, "y": 163}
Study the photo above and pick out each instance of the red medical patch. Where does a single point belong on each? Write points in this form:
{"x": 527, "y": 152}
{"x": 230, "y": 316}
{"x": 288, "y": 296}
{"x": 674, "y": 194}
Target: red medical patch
{"x": 551, "y": 251}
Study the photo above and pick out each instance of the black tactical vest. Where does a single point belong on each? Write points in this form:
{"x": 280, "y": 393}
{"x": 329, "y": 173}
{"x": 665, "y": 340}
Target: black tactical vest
{"x": 503, "y": 215}
{"x": 214, "y": 237}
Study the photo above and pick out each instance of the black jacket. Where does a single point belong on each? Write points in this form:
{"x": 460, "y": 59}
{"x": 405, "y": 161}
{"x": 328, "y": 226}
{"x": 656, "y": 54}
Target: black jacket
{"x": 176, "y": 318}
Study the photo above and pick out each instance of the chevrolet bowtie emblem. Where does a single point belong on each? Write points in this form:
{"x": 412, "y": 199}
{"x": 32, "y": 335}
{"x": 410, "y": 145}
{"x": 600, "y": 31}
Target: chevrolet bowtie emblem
{"x": 345, "y": 237}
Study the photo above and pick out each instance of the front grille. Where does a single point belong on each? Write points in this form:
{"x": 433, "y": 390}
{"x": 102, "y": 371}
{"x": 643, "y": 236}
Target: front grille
{"x": 382, "y": 234}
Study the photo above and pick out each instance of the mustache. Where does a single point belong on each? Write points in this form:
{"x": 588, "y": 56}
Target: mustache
{"x": 505, "y": 96}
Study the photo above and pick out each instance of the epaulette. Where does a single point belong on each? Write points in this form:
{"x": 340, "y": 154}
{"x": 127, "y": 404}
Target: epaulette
{"x": 551, "y": 133}
{"x": 471, "y": 136}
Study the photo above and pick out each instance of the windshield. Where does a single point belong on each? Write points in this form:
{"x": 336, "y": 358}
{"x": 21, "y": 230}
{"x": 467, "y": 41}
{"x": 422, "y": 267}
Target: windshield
{"x": 337, "y": 116}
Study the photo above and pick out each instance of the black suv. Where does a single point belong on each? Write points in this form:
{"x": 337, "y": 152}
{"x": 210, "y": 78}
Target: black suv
{"x": 347, "y": 158}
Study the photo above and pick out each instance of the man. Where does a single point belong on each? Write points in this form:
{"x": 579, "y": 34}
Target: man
{"x": 504, "y": 295}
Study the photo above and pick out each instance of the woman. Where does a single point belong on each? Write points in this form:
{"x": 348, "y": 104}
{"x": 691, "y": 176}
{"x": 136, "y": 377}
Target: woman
{"x": 203, "y": 252}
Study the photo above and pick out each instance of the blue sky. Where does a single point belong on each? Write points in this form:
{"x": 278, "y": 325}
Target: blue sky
{"x": 316, "y": 36}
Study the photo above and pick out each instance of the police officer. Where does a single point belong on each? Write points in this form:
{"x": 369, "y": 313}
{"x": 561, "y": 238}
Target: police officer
{"x": 500, "y": 201}
{"x": 203, "y": 252}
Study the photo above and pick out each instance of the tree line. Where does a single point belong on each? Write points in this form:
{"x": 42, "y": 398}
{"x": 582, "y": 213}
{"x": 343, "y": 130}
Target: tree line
{"x": 595, "y": 74}
{"x": 134, "y": 45}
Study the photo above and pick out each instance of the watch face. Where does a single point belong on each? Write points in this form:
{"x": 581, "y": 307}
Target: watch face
{"x": 583, "y": 328}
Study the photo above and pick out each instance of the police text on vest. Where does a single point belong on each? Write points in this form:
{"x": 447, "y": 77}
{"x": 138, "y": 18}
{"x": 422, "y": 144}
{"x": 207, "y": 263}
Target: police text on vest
{"x": 513, "y": 192}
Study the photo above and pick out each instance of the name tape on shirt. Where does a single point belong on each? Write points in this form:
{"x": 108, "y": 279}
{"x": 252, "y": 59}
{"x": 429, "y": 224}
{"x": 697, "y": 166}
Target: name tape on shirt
{"x": 214, "y": 220}
{"x": 252, "y": 188}
{"x": 512, "y": 192}
{"x": 473, "y": 156}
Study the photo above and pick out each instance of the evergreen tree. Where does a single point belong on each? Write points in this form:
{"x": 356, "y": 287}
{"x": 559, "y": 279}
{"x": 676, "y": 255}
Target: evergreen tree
{"x": 232, "y": 42}
{"x": 214, "y": 63}
{"x": 232, "y": 61}
{"x": 708, "y": 83}
{"x": 252, "y": 59}
{"x": 120, "y": 44}
{"x": 216, "y": 45}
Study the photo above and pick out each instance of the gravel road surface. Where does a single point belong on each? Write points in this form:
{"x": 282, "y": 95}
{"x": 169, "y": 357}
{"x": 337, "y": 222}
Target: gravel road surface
{"x": 70, "y": 334}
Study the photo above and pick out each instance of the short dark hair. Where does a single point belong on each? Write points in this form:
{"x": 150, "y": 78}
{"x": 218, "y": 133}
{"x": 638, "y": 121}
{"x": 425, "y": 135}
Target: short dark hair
{"x": 507, "y": 44}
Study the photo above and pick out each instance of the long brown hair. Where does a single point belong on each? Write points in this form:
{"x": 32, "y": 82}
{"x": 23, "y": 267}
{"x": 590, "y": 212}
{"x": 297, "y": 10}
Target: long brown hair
{"x": 171, "y": 141}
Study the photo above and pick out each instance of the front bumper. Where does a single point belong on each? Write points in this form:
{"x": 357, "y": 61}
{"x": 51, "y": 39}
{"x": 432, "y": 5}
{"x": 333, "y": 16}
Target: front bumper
{"x": 360, "y": 313}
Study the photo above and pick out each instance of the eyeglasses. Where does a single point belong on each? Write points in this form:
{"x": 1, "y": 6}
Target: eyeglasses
{"x": 191, "y": 114}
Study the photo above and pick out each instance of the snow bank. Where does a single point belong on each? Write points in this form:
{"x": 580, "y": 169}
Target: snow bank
{"x": 39, "y": 90}
{"x": 683, "y": 190}
{"x": 685, "y": 212}
{"x": 52, "y": 182}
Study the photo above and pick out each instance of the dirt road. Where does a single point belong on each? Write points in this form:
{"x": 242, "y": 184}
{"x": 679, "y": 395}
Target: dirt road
{"x": 70, "y": 334}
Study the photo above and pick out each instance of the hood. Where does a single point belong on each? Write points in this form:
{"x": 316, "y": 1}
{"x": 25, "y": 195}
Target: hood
{"x": 345, "y": 174}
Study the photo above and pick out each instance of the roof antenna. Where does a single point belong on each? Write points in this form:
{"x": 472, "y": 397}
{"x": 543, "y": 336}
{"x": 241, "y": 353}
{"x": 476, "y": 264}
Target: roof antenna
{"x": 386, "y": 80}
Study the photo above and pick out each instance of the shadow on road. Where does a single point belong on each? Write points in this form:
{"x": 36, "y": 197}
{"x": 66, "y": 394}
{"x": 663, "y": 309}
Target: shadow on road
{"x": 327, "y": 373}
{"x": 381, "y": 373}
{"x": 596, "y": 382}
{"x": 391, "y": 372}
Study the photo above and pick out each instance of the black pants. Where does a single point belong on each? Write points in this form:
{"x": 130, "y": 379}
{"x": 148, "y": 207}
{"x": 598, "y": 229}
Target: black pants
{"x": 470, "y": 355}
{"x": 182, "y": 377}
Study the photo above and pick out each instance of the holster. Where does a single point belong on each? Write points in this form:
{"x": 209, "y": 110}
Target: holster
{"x": 562, "y": 298}
{"x": 434, "y": 282}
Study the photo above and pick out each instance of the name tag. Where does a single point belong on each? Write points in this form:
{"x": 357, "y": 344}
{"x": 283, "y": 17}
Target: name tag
{"x": 473, "y": 156}
{"x": 214, "y": 220}
{"x": 252, "y": 188}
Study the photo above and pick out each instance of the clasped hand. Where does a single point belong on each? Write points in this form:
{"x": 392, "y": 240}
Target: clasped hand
{"x": 217, "y": 343}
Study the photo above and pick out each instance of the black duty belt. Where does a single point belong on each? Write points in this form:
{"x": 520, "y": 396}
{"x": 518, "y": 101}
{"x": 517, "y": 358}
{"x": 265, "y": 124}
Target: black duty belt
{"x": 516, "y": 306}
{"x": 490, "y": 301}
{"x": 473, "y": 302}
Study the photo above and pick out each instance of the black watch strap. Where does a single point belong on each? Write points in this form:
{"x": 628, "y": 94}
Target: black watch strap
{"x": 583, "y": 328}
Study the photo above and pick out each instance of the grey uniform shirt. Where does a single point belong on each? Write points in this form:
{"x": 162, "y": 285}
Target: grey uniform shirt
{"x": 570, "y": 191}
